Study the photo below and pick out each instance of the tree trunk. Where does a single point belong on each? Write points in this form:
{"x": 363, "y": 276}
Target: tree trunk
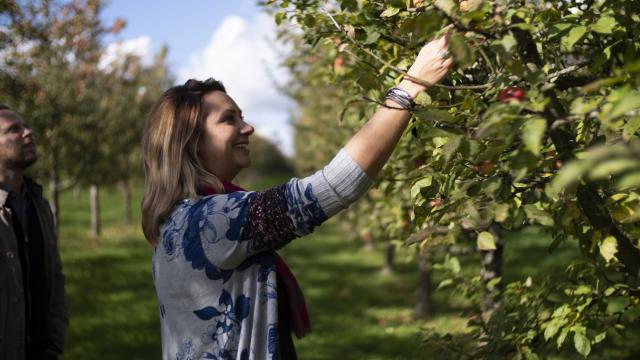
{"x": 388, "y": 259}
{"x": 492, "y": 269}
{"x": 95, "y": 210}
{"x": 367, "y": 239}
{"x": 126, "y": 197}
{"x": 424, "y": 304}
{"x": 54, "y": 195}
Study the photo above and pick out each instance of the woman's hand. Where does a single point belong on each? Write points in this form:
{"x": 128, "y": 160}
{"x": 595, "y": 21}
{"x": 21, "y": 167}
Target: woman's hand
{"x": 431, "y": 65}
{"x": 372, "y": 145}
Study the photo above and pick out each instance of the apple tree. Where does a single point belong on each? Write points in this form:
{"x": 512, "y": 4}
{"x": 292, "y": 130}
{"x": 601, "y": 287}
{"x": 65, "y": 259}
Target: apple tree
{"x": 536, "y": 125}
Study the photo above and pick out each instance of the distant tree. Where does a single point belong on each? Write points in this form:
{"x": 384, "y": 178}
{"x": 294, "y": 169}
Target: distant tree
{"x": 50, "y": 60}
{"x": 267, "y": 161}
{"x": 87, "y": 115}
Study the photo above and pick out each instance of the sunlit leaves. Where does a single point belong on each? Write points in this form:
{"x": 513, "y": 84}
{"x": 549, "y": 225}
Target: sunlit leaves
{"x": 581, "y": 342}
{"x": 620, "y": 102}
{"x": 532, "y": 134}
{"x": 604, "y": 25}
{"x": 389, "y": 12}
{"x": 486, "y": 241}
{"x": 574, "y": 34}
{"x": 609, "y": 248}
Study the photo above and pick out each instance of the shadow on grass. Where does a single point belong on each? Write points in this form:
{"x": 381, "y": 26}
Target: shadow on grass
{"x": 112, "y": 303}
{"x": 527, "y": 254}
{"x": 356, "y": 312}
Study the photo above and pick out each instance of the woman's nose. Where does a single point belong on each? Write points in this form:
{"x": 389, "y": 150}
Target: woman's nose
{"x": 247, "y": 129}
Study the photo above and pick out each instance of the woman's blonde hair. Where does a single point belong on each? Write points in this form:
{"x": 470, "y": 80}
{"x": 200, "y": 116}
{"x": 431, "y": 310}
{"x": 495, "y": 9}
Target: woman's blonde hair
{"x": 172, "y": 169}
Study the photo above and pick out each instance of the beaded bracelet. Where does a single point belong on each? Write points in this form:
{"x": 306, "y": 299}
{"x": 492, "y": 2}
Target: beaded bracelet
{"x": 400, "y": 97}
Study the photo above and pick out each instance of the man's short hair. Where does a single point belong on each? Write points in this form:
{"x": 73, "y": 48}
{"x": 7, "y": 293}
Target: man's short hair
{"x": 4, "y": 107}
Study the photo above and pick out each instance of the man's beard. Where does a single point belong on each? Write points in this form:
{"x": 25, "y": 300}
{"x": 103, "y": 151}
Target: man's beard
{"x": 24, "y": 163}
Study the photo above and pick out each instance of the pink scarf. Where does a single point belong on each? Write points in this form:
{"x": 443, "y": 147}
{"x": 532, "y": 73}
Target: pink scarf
{"x": 298, "y": 315}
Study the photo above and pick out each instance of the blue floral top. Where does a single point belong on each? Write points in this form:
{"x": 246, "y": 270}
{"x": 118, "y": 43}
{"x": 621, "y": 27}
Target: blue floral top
{"x": 214, "y": 270}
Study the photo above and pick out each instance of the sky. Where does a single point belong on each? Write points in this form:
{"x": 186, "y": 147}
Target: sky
{"x": 231, "y": 41}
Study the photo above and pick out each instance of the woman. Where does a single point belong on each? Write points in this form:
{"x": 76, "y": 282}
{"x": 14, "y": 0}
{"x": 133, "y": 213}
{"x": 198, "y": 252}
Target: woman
{"x": 223, "y": 292}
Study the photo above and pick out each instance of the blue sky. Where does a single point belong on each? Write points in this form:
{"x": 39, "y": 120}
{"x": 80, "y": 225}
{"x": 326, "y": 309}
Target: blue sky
{"x": 232, "y": 41}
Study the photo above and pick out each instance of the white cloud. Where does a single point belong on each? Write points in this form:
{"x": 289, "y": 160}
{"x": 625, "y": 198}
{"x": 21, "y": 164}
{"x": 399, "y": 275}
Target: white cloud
{"x": 245, "y": 56}
{"x": 115, "y": 51}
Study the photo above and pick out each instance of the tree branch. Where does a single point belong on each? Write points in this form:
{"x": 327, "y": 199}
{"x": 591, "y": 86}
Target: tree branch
{"x": 461, "y": 27}
{"x": 403, "y": 72}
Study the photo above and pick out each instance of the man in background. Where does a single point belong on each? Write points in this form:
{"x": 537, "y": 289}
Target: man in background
{"x": 33, "y": 312}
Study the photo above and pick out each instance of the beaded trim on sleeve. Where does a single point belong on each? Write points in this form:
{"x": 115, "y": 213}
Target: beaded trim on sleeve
{"x": 267, "y": 225}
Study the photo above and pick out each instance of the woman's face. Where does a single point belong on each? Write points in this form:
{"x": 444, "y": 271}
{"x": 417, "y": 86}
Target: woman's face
{"x": 224, "y": 145}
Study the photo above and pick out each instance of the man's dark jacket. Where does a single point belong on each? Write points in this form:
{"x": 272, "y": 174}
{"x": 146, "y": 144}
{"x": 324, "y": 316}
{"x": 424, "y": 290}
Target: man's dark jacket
{"x": 12, "y": 295}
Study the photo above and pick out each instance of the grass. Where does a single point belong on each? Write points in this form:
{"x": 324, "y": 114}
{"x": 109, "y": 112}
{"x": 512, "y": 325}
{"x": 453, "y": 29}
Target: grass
{"x": 111, "y": 297}
{"x": 356, "y": 311}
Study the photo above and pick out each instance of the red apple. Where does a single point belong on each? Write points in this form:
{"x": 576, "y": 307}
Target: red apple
{"x": 485, "y": 167}
{"x": 433, "y": 203}
{"x": 417, "y": 3}
{"x": 338, "y": 64}
{"x": 512, "y": 92}
{"x": 558, "y": 163}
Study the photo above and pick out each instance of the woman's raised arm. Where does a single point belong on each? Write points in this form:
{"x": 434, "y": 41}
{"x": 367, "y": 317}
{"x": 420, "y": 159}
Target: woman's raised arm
{"x": 373, "y": 144}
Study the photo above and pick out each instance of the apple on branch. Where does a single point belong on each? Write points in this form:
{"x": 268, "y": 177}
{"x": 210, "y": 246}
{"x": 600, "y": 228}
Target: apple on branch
{"x": 512, "y": 93}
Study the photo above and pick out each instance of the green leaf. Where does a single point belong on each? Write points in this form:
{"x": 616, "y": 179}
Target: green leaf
{"x": 462, "y": 53}
{"x": 351, "y": 5}
{"x": 424, "y": 182}
{"x": 598, "y": 338}
{"x": 453, "y": 264}
{"x": 620, "y": 102}
{"x": 486, "y": 241}
{"x": 582, "y": 343}
{"x": 423, "y": 99}
{"x": 448, "y": 6}
{"x": 280, "y": 16}
{"x": 532, "y": 133}
{"x": 630, "y": 128}
{"x": 444, "y": 283}
{"x": 614, "y": 166}
{"x": 539, "y": 216}
{"x": 569, "y": 173}
{"x": 491, "y": 284}
{"x": 309, "y": 21}
{"x": 582, "y": 290}
{"x": 551, "y": 330}
{"x": 430, "y": 114}
{"x": 628, "y": 181}
{"x": 573, "y": 36}
{"x": 389, "y": 12}
{"x": 609, "y": 291}
{"x": 609, "y": 248}
{"x": 604, "y": 25}
{"x": 372, "y": 37}
{"x": 562, "y": 336}
{"x": 509, "y": 42}
{"x": 449, "y": 149}
{"x": 501, "y": 212}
